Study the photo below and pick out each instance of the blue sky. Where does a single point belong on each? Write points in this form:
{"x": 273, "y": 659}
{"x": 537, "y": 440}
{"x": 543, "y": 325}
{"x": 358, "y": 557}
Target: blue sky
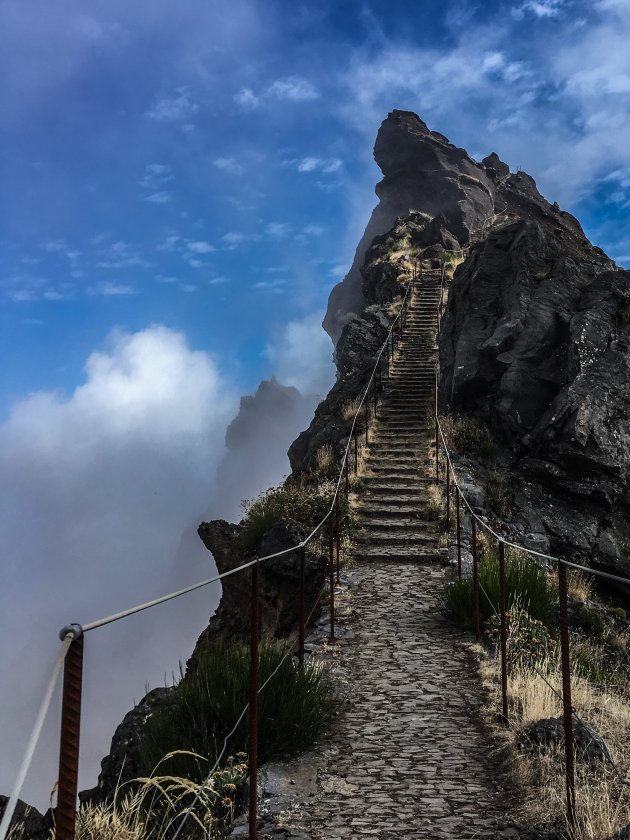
{"x": 209, "y": 167}
{"x": 182, "y": 185}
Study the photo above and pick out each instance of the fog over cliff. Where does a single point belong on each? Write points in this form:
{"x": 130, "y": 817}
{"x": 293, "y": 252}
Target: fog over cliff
{"x": 102, "y": 491}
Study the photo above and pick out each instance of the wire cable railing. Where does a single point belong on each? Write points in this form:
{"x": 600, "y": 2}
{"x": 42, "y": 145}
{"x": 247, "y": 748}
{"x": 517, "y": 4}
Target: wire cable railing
{"x": 454, "y": 488}
{"x": 72, "y": 635}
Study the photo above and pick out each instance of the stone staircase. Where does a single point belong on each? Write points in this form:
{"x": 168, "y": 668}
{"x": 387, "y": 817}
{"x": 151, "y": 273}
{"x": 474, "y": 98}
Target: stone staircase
{"x": 391, "y": 513}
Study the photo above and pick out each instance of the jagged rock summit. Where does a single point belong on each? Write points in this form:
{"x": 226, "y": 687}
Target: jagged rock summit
{"x": 422, "y": 171}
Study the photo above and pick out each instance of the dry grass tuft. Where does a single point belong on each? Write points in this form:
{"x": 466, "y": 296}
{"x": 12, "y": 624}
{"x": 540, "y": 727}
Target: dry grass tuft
{"x": 325, "y": 461}
{"x": 603, "y": 803}
{"x": 435, "y": 508}
{"x": 580, "y": 585}
{"x": 350, "y": 408}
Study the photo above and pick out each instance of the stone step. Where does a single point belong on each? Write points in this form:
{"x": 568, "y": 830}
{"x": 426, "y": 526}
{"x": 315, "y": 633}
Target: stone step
{"x": 410, "y": 554}
{"x": 404, "y": 527}
{"x": 392, "y": 512}
{"x": 375, "y": 539}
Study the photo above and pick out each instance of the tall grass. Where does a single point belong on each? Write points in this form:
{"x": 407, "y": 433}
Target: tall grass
{"x": 293, "y": 708}
{"x": 469, "y": 437}
{"x": 528, "y": 587}
{"x": 306, "y": 501}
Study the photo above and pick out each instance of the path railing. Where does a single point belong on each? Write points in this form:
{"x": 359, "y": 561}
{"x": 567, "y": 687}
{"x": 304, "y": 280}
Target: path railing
{"x": 455, "y": 496}
{"x": 72, "y": 636}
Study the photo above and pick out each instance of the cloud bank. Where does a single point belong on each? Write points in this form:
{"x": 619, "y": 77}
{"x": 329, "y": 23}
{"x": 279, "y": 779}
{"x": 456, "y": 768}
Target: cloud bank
{"x": 102, "y": 491}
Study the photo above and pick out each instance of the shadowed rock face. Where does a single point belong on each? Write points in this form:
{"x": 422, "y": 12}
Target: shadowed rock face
{"x": 536, "y": 344}
{"x": 422, "y": 171}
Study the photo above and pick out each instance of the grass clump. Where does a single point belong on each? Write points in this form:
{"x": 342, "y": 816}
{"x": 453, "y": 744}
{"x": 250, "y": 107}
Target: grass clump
{"x": 305, "y": 500}
{"x": 529, "y": 641}
{"x": 498, "y": 493}
{"x": 435, "y": 505}
{"x": 294, "y": 707}
{"x": 469, "y": 437}
{"x": 350, "y": 408}
{"x": 528, "y": 587}
{"x": 325, "y": 463}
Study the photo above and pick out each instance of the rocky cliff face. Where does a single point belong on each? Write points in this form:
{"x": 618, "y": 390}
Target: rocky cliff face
{"x": 535, "y": 343}
{"x": 422, "y": 171}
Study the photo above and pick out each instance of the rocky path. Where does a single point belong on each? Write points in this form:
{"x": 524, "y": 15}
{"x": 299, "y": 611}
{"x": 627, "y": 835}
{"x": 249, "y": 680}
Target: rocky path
{"x": 408, "y": 757}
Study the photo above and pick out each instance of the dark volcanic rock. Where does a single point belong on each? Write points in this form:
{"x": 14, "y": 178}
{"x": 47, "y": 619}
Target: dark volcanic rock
{"x": 279, "y": 579}
{"x": 33, "y": 826}
{"x": 536, "y": 344}
{"x": 422, "y": 171}
{"x": 124, "y": 761}
{"x": 589, "y": 746}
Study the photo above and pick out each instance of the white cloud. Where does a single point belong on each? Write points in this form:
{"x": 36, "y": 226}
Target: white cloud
{"x": 228, "y": 164}
{"x": 302, "y": 356}
{"x": 293, "y": 89}
{"x": 247, "y": 99}
{"x": 313, "y": 230}
{"x": 102, "y": 490}
{"x": 179, "y": 108}
{"x": 286, "y": 89}
{"x": 540, "y": 8}
{"x": 233, "y": 239}
{"x": 200, "y": 247}
{"x": 109, "y": 289}
{"x": 161, "y": 197}
{"x": 309, "y": 164}
{"x": 278, "y": 230}
{"x": 218, "y": 281}
{"x": 315, "y": 164}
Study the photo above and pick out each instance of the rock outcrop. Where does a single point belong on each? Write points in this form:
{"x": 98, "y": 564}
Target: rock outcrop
{"x": 32, "y": 825}
{"x": 256, "y": 442}
{"x": 279, "y": 582}
{"x": 535, "y": 343}
{"x": 422, "y": 171}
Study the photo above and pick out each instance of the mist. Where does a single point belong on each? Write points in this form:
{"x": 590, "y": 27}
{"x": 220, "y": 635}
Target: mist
{"x": 102, "y": 493}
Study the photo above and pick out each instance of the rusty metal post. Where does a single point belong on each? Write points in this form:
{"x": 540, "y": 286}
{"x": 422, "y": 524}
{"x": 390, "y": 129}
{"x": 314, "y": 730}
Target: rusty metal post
{"x": 65, "y": 812}
{"x": 566, "y": 693}
{"x": 448, "y": 493}
{"x": 503, "y": 616}
{"x": 437, "y": 449}
{"x": 253, "y": 706}
{"x": 356, "y": 452}
{"x": 301, "y": 610}
{"x": 475, "y": 578}
{"x": 459, "y": 533}
{"x": 337, "y": 533}
{"x": 367, "y": 419}
{"x": 345, "y": 469}
{"x": 331, "y": 579}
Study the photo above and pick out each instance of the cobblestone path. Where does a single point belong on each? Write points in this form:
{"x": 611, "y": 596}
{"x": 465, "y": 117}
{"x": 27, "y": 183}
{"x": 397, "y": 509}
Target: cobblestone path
{"x": 408, "y": 757}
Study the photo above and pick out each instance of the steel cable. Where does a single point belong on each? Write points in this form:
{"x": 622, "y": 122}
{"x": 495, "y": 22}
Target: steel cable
{"x": 164, "y": 598}
{"x": 33, "y": 740}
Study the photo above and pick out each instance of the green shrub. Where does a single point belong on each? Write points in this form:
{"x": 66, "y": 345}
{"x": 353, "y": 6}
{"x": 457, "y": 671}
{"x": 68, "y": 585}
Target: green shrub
{"x": 529, "y": 641}
{"x": 588, "y": 619}
{"x": 527, "y": 586}
{"x": 469, "y": 437}
{"x": 293, "y": 708}
{"x": 306, "y": 502}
